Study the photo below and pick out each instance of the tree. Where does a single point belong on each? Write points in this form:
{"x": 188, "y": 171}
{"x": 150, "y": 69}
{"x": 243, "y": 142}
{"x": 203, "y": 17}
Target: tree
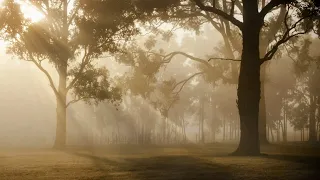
{"x": 253, "y": 20}
{"x": 70, "y": 37}
{"x": 307, "y": 88}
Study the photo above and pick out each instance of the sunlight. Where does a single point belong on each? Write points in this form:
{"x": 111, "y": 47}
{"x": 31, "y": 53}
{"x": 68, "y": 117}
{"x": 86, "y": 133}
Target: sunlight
{"x": 28, "y": 10}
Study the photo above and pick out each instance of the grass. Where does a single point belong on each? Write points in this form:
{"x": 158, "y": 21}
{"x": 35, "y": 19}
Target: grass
{"x": 155, "y": 162}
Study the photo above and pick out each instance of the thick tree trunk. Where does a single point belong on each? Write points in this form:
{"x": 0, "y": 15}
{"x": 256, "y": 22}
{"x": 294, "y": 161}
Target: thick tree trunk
{"x": 61, "y": 111}
{"x": 61, "y": 95}
{"x": 262, "y": 109}
{"x": 249, "y": 82}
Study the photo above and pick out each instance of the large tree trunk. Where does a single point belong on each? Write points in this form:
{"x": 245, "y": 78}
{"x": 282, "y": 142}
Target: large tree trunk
{"x": 61, "y": 111}
{"x": 61, "y": 95}
{"x": 312, "y": 118}
{"x": 262, "y": 109}
{"x": 249, "y": 82}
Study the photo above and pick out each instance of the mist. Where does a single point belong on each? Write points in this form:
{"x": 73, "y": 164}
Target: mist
{"x": 167, "y": 90}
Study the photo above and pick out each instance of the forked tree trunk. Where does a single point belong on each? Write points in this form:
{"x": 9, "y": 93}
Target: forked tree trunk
{"x": 249, "y": 82}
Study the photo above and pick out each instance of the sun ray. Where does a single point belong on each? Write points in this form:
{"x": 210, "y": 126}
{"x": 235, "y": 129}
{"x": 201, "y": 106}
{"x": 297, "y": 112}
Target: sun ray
{"x": 28, "y": 10}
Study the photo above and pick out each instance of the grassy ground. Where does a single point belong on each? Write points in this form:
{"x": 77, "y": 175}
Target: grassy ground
{"x": 137, "y": 162}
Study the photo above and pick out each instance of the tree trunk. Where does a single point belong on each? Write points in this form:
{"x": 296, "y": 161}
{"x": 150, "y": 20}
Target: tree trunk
{"x": 284, "y": 129}
{"x": 230, "y": 131}
{"x": 61, "y": 111}
{"x": 249, "y": 82}
{"x": 202, "y": 120}
{"x": 262, "y": 109}
{"x": 312, "y": 119}
{"x": 272, "y": 137}
{"x": 224, "y": 128}
{"x": 61, "y": 95}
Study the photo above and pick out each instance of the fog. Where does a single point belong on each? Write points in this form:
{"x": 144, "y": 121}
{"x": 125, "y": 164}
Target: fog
{"x": 28, "y": 113}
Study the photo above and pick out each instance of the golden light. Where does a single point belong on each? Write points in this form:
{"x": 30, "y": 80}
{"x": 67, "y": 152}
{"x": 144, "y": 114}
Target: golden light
{"x": 28, "y": 10}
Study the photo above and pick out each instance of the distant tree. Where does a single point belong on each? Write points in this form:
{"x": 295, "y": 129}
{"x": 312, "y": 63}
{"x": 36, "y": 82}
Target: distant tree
{"x": 307, "y": 88}
{"x": 70, "y": 37}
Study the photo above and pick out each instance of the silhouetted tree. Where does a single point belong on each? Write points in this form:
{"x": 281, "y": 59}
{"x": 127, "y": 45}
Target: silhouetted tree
{"x": 249, "y": 79}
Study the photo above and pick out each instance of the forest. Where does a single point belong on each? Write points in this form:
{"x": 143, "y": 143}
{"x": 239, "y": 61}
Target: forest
{"x": 147, "y": 89}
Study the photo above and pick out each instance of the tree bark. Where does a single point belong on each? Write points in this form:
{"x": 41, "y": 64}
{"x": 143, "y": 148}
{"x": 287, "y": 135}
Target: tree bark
{"x": 61, "y": 110}
{"x": 61, "y": 96}
{"x": 249, "y": 82}
{"x": 262, "y": 109}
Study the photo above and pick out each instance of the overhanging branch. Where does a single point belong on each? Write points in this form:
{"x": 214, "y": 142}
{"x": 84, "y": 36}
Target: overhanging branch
{"x": 219, "y": 12}
{"x": 272, "y": 4}
{"x": 184, "y": 82}
{"x": 77, "y": 100}
{"x": 285, "y": 38}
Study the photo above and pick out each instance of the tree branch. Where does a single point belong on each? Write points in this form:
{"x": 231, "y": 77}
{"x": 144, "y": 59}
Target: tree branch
{"x": 272, "y": 4}
{"x": 223, "y": 14}
{"x": 77, "y": 100}
{"x": 168, "y": 58}
{"x": 73, "y": 15}
{"x": 286, "y": 37}
{"x": 183, "y": 82}
{"x": 225, "y": 59}
{"x": 46, "y": 73}
{"x": 85, "y": 60}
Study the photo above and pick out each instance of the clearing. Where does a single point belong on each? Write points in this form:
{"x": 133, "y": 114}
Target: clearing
{"x": 136, "y": 162}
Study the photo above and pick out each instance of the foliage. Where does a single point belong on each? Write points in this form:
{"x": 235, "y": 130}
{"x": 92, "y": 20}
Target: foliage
{"x": 71, "y": 42}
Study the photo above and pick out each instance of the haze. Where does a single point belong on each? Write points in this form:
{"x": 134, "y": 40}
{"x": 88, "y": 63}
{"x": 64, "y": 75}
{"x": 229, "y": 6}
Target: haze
{"x": 159, "y": 90}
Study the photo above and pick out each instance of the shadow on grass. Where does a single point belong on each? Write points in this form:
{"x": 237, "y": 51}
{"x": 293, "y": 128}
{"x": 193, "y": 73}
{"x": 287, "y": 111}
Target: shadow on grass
{"x": 159, "y": 167}
{"x": 311, "y": 161}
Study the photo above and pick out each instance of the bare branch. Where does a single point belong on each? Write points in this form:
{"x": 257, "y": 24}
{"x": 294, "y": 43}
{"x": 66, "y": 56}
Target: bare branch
{"x": 183, "y": 82}
{"x": 225, "y": 59}
{"x": 45, "y": 72}
{"x": 286, "y": 37}
{"x": 77, "y": 100}
{"x": 223, "y": 14}
{"x": 168, "y": 58}
{"x": 272, "y": 4}
{"x": 233, "y": 3}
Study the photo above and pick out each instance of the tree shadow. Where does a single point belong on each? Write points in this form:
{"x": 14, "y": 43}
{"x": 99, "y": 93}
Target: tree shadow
{"x": 311, "y": 161}
{"x": 159, "y": 167}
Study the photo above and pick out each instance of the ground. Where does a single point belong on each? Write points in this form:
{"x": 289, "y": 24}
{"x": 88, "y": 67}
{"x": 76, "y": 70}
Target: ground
{"x": 154, "y": 162}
